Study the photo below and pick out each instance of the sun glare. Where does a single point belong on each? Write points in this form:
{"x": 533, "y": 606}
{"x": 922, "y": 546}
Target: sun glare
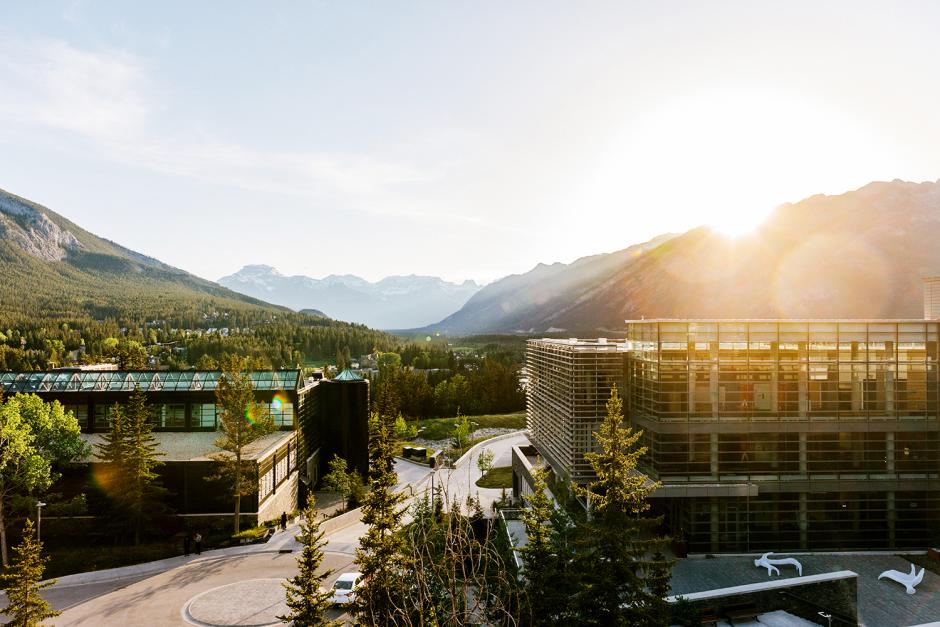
{"x": 737, "y": 222}
{"x": 723, "y": 159}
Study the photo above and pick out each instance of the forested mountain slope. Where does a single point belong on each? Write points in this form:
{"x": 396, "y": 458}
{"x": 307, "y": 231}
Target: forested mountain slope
{"x": 64, "y": 289}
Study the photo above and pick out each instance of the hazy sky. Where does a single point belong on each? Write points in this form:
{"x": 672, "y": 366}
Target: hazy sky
{"x": 462, "y": 139}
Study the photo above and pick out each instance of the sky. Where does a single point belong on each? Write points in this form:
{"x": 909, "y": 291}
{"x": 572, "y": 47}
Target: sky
{"x": 467, "y": 140}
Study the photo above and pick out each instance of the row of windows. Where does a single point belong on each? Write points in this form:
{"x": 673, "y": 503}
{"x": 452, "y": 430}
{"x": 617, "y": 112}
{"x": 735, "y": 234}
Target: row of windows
{"x": 781, "y": 331}
{"x": 789, "y": 521}
{"x": 173, "y": 415}
{"x": 275, "y": 474}
{"x": 821, "y": 389}
{"x": 779, "y": 453}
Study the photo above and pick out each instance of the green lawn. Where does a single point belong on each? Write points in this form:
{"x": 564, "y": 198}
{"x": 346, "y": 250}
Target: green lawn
{"x": 496, "y": 478}
{"x": 440, "y": 428}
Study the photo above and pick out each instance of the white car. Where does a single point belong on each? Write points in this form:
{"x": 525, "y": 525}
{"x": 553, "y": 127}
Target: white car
{"x": 344, "y": 590}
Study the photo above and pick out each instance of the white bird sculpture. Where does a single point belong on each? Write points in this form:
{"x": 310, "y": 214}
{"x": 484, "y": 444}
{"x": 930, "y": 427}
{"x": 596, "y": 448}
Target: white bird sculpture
{"x": 908, "y": 581}
{"x": 765, "y": 562}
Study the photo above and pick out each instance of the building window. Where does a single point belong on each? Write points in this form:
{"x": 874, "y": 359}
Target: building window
{"x": 281, "y": 469}
{"x": 80, "y": 412}
{"x": 265, "y": 484}
{"x": 172, "y": 416}
{"x": 204, "y": 414}
{"x": 103, "y": 416}
{"x": 282, "y": 413}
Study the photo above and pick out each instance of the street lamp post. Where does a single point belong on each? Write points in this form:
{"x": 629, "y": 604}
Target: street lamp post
{"x": 39, "y": 506}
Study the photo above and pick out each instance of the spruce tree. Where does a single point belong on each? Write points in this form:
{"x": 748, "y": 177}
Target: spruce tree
{"x": 113, "y": 477}
{"x": 130, "y": 457}
{"x": 21, "y": 582}
{"x": 544, "y": 557}
{"x": 306, "y": 598}
{"x": 145, "y": 493}
{"x": 621, "y": 576}
{"x": 381, "y": 552}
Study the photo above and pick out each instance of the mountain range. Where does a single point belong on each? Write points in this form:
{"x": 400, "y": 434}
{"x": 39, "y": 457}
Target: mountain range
{"x": 861, "y": 254}
{"x": 395, "y": 302}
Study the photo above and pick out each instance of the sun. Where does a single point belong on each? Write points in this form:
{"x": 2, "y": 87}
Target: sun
{"x": 737, "y": 222}
{"x": 724, "y": 159}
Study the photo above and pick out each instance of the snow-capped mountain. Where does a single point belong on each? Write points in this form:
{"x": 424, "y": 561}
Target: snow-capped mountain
{"x": 395, "y": 302}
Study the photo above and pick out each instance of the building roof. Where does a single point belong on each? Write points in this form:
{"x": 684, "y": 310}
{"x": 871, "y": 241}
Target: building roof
{"x": 197, "y": 446}
{"x": 146, "y": 380}
{"x": 348, "y": 375}
{"x": 879, "y": 602}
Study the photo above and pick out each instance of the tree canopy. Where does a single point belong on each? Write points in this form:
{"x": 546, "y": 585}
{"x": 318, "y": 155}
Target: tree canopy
{"x": 36, "y": 439}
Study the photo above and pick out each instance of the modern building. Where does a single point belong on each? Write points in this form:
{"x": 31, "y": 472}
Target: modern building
{"x": 765, "y": 434}
{"x": 316, "y": 420}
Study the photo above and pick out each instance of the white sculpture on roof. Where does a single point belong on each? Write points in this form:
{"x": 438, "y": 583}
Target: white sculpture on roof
{"x": 908, "y": 581}
{"x": 766, "y": 562}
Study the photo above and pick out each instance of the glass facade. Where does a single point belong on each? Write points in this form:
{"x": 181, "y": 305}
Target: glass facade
{"x": 765, "y": 434}
{"x": 178, "y": 400}
{"x": 790, "y": 521}
{"x": 784, "y": 370}
{"x": 203, "y": 415}
{"x": 148, "y": 381}
{"x": 282, "y": 413}
{"x": 833, "y": 422}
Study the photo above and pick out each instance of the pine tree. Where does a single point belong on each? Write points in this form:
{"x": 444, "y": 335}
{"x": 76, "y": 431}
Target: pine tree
{"x": 306, "y": 598}
{"x": 242, "y": 421}
{"x": 142, "y": 459}
{"x": 112, "y": 476}
{"x": 130, "y": 457}
{"x": 381, "y": 552}
{"x": 544, "y": 556}
{"x": 21, "y": 582}
{"x": 620, "y": 574}
{"x": 338, "y": 479}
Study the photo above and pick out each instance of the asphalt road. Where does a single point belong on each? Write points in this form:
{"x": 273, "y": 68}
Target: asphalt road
{"x": 158, "y": 600}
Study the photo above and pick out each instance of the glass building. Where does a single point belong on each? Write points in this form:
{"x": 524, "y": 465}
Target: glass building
{"x": 316, "y": 420}
{"x": 770, "y": 434}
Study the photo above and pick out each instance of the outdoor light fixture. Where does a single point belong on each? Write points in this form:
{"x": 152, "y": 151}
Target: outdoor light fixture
{"x": 39, "y": 506}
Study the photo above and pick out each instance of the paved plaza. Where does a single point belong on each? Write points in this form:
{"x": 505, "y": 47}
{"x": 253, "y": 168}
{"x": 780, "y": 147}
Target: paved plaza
{"x": 880, "y": 603}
